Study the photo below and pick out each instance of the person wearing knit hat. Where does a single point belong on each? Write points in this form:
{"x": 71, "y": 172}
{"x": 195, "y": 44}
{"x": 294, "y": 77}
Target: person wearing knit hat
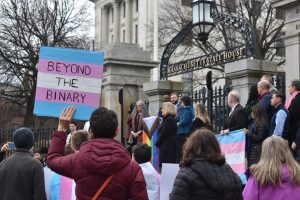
{"x": 23, "y": 138}
{"x": 21, "y": 175}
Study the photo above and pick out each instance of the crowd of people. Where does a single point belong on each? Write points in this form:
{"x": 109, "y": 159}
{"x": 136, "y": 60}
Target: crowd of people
{"x": 100, "y": 167}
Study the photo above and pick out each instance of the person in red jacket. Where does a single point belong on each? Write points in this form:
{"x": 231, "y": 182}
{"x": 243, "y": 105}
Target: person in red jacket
{"x": 97, "y": 160}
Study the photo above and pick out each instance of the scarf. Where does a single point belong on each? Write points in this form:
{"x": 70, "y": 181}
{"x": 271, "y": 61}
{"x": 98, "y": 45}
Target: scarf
{"x": 292, "y": 97}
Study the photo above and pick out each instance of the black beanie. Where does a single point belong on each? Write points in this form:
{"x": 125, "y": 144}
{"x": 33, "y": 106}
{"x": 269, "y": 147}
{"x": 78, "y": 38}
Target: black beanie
{"x": 23, "y": 138}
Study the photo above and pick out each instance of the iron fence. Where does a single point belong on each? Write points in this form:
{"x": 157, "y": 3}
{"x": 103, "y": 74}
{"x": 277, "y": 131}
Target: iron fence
{"x": 42, "y": 136}
{"x": 215, "y": 102}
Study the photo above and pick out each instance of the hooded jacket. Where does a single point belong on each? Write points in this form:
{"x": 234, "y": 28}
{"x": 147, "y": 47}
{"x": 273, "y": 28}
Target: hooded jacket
{"x": 187, "y": 116}
{"x": 254, "y": 191}
{"x": 206, "y": 181}
{"x": 96, "y": 160}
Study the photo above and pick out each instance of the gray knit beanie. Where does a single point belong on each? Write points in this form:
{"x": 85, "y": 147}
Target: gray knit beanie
{"x": 23, "y": 138}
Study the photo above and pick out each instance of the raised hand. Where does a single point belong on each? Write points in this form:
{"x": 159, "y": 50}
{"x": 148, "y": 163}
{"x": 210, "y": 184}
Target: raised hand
{"x": 65, "y": 118}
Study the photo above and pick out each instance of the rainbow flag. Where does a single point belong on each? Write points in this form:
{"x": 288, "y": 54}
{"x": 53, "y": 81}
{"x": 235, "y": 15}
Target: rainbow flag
{"x": 233, "y": 147}
{"x": 150, "y": 135}
{"x": 58, "y": 187}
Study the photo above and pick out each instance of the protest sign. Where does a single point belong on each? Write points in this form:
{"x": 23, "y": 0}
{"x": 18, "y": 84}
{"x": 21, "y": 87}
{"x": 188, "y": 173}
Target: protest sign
{"x": 68, "y": 77}
{"x": 168, "y": 175}
{"x": 233, "y": 147}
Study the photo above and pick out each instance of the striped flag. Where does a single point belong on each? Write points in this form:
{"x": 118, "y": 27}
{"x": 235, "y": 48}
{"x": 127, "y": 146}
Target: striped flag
{"x": 233, "y": 147}
{"x": 58, "y": 187}
{"x": 150, "y": 135}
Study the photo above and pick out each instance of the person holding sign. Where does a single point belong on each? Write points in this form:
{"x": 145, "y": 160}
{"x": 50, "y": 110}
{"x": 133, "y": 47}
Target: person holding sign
{"x": 100, "y": 163}
{"x": 204, "y": 173}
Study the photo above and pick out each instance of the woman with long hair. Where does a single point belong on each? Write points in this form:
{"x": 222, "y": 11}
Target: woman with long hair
{"x": 258, "y": 135}
{"x": 204, "y": 173}
{"x": 137, "y": 115}
{"x": 202, "y": 119}
{"x": 276, "y": 176}
{"x": 166, "y": 141}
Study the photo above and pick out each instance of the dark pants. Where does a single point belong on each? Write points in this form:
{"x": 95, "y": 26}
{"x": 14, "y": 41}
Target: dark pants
{"x": 179, "y": 144}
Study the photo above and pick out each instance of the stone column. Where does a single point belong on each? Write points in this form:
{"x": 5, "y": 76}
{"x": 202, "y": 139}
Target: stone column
{"x": 291, "y": 9}
{"x": 116, "y": 7}
{"x": 245, "y": 73}
{"x": 155, "y": 90}
{"x": 104, "y": 26}
{"x": 128, "y": 21}
{"x": 292, "y": 49}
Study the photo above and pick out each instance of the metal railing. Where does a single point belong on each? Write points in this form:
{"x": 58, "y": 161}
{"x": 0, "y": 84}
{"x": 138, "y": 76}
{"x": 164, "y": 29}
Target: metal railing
{"x": 215, "y": 102}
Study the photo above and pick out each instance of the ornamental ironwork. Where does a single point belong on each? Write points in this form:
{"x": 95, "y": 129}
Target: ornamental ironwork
{"x": 216, "y": 58}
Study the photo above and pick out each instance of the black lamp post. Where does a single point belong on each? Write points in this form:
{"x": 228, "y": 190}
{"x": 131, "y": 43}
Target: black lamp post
{"x": 203, "y": 23}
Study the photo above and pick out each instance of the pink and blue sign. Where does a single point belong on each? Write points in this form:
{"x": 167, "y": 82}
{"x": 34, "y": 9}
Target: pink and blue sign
{"x": 68, "y": 77}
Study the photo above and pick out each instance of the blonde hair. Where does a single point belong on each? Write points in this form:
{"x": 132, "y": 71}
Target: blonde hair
{"x": 201, "y": 113}
{"x": 169, "y": 108}
{"x": 275, "y": 152}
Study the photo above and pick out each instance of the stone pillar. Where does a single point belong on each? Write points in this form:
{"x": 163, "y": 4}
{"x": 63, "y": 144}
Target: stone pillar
{"x": 104, "y": 26}
{"x": 116, "y": 7}
{"x": 292, "y": 55}
{"x": 128, "y": 21}
{"x": 155, "y": 90}
{"x": 127, "y": 67}
{"x": 245, "y": 73}
{"x": 291, "y": 9}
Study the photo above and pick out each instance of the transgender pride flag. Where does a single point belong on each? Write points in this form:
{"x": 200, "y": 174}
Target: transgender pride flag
{"x": 233, "y": 147}
{"x": 58, "y": 187}
{"x": 68, "y": 77}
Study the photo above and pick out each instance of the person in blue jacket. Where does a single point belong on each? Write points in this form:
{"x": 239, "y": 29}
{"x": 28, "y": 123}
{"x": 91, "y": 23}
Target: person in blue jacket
{"x": 185, "y": 123}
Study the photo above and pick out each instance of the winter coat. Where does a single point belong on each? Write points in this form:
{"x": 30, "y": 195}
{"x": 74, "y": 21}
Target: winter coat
{"x": 237, "y": 120}
{"x": 186, "y": 120}
{"x": 198, "y": 123}
{"x": 96, "y": 160}
{"x": 259, "y": 134}
{"x": 206, "y": 180}
{"x": 286, "y": 191}
{"x": 179, "y": 108}
{"x": 265, "y": 102}
{"x": 294, "y": 121}
{"x": 22, "y": 177}
{"x": 166, "y": 141}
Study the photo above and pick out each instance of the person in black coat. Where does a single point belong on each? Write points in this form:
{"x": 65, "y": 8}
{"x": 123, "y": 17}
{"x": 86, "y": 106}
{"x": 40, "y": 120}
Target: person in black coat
{"x": 259, "y": 134}
{"x": 166, "y": 141}
{"x": 204, "y": 173}
{"x": 293, "y": 106}
{"x": 237, "y": 118}
{"x": 202, "y": 120}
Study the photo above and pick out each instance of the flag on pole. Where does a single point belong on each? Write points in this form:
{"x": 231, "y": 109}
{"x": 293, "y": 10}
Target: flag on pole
{"x": 233, "y": 147}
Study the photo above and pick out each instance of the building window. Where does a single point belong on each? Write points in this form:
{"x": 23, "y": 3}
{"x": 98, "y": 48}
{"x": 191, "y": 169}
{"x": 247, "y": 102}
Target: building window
{"x": 124, "y": 36}
{"x": 124, "y": 9}
{"x": 136, "y": 34}
{"x": 136, "y": 5}
{"x": 112, "y": 15}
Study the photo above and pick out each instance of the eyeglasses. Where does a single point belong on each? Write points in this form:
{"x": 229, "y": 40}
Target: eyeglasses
{"x": 139, "y": 105}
